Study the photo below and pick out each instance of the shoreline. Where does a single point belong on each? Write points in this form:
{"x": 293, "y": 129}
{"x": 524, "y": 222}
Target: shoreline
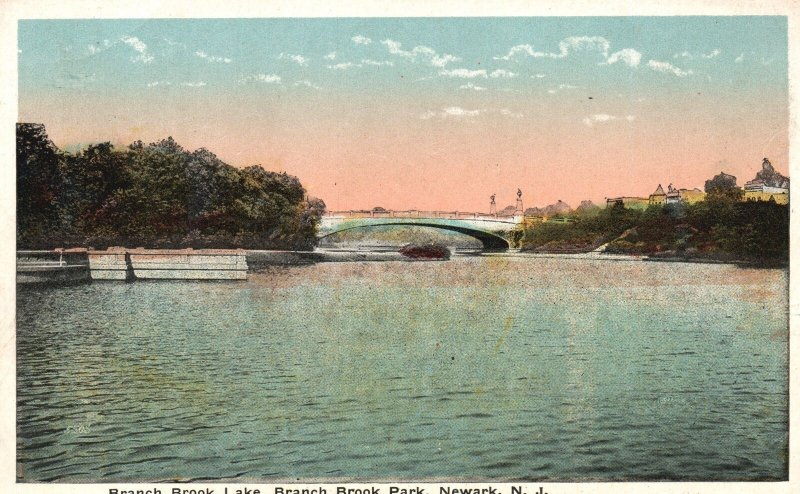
{"x": 260, "y": 260}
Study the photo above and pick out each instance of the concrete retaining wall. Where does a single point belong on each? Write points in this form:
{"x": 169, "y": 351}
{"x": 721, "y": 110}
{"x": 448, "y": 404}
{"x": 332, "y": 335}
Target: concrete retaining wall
{"x": 206, "y": 264}
{"x": 112, "y": 264}
{"x": 52, "y": 267}
{"x": 189, "y": 264}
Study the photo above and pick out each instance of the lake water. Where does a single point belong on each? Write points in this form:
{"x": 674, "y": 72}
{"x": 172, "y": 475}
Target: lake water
{"x": 497, "y": 367}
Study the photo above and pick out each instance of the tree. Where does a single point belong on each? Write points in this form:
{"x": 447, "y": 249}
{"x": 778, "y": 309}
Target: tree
{"x": 720, "y": 182}
{"x": 88, "y": 180}
{"x": 38, "y": 185}
{"x": 723, "y": 188}
{"x": 155, "y": 195}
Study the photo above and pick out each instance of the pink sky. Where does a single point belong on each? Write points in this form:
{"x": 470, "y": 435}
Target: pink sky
{"x": 360, "y": 158}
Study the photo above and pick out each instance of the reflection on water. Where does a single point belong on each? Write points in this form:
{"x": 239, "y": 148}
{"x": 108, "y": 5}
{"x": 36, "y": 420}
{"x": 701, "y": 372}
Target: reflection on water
{"x": 476, "y": 368}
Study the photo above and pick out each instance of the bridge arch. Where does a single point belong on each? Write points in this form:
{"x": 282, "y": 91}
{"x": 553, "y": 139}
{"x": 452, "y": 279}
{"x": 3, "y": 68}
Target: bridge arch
{"x": 490, "y": 241}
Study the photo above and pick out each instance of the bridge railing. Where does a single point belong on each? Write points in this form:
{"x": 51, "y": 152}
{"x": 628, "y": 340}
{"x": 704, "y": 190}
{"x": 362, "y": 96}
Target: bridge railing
{"x": 414, "y": 213}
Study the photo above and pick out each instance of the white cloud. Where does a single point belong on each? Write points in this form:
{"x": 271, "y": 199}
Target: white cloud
{"x": 509, "y": 113}
{"x": 538, "y": 76}
{"x": 95, "y": 48}
{"x": 185, "y": 84}
{"x": 307, "y": 83}
{"x": 265, "y": 78}
{"x": 298, "y": 59}
{"x": 562, "y": 87}
{"x": 330, "y": 56}
{"x": 441, "y": 61}
{"x": 344, "y": 66}
{"x": 628, "y": 56}
{"x": 463, "y": 73}
{"x": 519, "y": 49}
{"x": 567, "y": 46}
{"x": 668, "y": 68}
{"x": 433, "y": 58}
{"x": 689, "y": 55}
{"x": 472, "y": 86}
{"x": 451, "y": 112}
{"x": 572, "y": 44}
{"x": 135, "y": 43}
{"x": 202, "y": 54}
{"x": 140, "y": 47}
{"x": 360, "y": 40}
{"x": 384, "y": 63}
{"x": 740, "y": 58}
{"x": 582, "y": 43}
{"x": 605, "y": 117}
{"x": 457, "y": 112}
{"x": 502, "y": 73}
{"x": 394, "y": 48}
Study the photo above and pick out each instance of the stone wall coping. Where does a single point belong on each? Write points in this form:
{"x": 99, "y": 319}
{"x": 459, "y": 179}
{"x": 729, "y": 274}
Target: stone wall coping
{"x": 169, "y": 252}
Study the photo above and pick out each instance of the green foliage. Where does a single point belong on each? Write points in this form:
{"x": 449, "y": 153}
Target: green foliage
{"x": 156, "y": 195}
{"x": 588, "y": 231}
{"x": 38, "y": 181}
{"x": 721, "y": 182}
{"x": 758, "y": 231}
{"x": 722, "y": 227}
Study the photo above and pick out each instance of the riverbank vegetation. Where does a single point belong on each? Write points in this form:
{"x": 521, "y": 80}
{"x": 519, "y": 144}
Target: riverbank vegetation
{"x": 722, "y": 227}
{"x": 154, "y": 195}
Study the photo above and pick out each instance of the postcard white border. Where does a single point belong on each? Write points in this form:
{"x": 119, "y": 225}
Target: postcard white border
{"x": 13, "y": 10}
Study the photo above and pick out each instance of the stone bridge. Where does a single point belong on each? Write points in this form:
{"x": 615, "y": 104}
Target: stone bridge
{"x": 490, "y": 229}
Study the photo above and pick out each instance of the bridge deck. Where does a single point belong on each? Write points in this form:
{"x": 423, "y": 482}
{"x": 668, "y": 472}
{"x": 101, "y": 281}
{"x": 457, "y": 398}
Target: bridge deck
{"x": 422, "y": 214}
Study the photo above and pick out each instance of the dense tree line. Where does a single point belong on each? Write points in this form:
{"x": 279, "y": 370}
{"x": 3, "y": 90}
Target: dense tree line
{"x": 154, "y": 195}
{"x": 721, "y": 227}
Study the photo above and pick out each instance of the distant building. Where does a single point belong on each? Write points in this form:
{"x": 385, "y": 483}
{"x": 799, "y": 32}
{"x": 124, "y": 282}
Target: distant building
{"x": 675, "y": 196}
{"x": 758, "y": 191}
{"x": 768, "y": 185}
{"x": 628, "y": 202}
{"x": 692, "y": 196}
{"x": 659, "y": 197}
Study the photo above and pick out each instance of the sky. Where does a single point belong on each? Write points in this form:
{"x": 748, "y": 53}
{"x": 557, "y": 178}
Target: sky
{"x": 427, "y": 113}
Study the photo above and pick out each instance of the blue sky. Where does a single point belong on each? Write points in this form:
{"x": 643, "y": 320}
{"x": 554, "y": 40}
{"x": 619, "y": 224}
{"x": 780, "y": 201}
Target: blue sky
{"x": 222, "y": 52}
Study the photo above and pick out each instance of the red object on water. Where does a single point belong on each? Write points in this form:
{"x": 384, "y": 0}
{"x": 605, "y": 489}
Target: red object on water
{"x": 426, "y": 251}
